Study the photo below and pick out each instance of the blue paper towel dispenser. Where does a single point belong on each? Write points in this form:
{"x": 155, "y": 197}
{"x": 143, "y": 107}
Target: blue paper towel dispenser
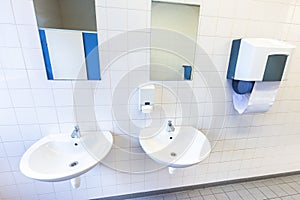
{"x": 259, "y": 59}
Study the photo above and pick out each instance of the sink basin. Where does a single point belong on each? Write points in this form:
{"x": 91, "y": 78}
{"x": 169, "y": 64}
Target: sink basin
{"x": 59, "y": 157}
{"x": 184, "y": 147}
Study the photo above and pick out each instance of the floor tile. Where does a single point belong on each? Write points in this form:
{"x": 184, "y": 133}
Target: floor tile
{"x": 267, "y": 192}
{"x": 233, "y": 195}
{"x": 256, "y": 193}
{"x": 182, "y": 195}
{"x": 193, "y": 193}
{"x": 169, "y": 197}
{"x": 288, "y": 189}
{"x": 281, "y": 188}
{"x": 245, "y": 195}
{"x": 221, "y": 196}
{"x": 209, "y": 197}
{"x": 205, "y": 192}
{"x": 227, "y": 188}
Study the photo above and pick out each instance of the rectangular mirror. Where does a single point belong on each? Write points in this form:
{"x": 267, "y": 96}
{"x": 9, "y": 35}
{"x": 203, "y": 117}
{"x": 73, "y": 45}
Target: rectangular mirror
{"x": 174, "y": 29}
{"x": 68, "y": 34}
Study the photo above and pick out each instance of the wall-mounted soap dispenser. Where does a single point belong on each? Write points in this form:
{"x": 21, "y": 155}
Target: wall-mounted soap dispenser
{"x": 256, "y": 68}
{"x": 146, "y": 98}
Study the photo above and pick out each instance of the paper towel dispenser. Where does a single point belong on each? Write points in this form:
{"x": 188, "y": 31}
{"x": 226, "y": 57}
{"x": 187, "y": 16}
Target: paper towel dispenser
{"x": 256, "y": 67}
{"x": 259, "y": 59}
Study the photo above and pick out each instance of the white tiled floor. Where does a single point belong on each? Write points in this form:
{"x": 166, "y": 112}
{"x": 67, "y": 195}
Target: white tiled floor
{"x": 281, "y": 188}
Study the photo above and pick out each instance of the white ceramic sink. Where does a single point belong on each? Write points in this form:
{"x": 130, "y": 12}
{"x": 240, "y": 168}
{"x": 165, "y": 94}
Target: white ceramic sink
{"x": 59, "y": 157}
{"x": 184, "y": 147}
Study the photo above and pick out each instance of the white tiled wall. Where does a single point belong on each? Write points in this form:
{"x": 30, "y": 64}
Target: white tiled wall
{"x": 249, "y": 145}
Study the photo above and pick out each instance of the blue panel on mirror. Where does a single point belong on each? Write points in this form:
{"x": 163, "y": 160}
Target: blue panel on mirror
{"x": 187, "y": 72}
{"x": 90, "y": 41}
{"x": 46, "y": 54}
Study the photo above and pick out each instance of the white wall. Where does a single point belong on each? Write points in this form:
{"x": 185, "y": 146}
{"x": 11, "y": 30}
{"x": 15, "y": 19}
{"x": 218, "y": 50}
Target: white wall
{"x": 31, "y": 106}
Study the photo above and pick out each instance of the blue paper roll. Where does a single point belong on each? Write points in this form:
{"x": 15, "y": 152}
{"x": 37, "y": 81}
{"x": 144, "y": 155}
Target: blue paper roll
{"x": 242, "y": 87}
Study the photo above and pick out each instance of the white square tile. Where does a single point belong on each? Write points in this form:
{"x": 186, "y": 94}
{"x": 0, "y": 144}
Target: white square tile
{"x": 4, "y": 167}
{"x": 29, "y": 37}
{"x": 14, "y": 148}
{"x": 9, "y": 192}
{"x": 210, "y": 8}
{"x": 11, "y": 58}
{"x": 63, "y": 97}
{"x": 30, "y": 132}
{"x": 26, "y": 115}
{"x": 9, "y": 36}
{"x": 46, "y": 115}
{"x": 83, "y": 97}
{"x": 221, "y": 46}
{"x": 117, "y": 4}
{"x": 10, "y": 133}
{"x": 117, "y": 19}
{"x": 33, "y": 58}
{"x": 101, "y": 13}
{"x": 102, "y": 97}
{"x": 21, "y": 97}
{"x": 103, "y": 113}
{"x": 47, "y": 129}
{"x": 14, "y": 162}
{"x": 61, "y": 186}
{"x": 228, "y": 8}
{"x": 5, "y": 100}
{"x": 224, "y": 27}
{"x": 20, "y": 178}
{"x": 7, "y": 117}
{"x": 44, "y": 187}
{"x": 139, "y": 4}
{"x": 66, "y": 114}
{"x": 67, "y": 195}
{"x": 243, "y": 9}
{"x": 38, "y": 79}
{"x": 207, "y": 26}
{"x": 205, "y": 44}
{"x": 2, "y": 79}
{"x": 6, "y": 11}
{"x": 27, "y": 189}
{"x": 85, "y": 114}
{"x": 24, "y": 12}
{"x": 9, "y": 180}
{"x": 16, "y": 79}
{"x": 137, "y": 20}
{"x": 43, "y": 97}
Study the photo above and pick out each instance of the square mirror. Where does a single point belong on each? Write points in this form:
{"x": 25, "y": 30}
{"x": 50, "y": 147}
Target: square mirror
{"x": 174, "y": 28}
{"x": 69, "y": 39}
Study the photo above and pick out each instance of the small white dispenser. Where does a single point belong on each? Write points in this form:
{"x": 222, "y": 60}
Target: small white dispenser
{"x": 146, "y": 98}
{"x": 256, "y": 68}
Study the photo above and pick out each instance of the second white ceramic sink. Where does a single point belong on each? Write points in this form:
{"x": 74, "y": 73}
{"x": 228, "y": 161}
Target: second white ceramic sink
{"x": 184, "y": 147}
{"x": 59, "y": 157}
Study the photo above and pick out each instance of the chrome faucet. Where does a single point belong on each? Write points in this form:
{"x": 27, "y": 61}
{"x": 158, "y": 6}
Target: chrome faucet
{"x": 170, "y": 127}
{"x": 75, "y": 133}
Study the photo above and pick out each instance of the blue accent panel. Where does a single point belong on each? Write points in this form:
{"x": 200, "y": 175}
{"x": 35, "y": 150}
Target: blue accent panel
{"x": 187, "y": 72}
{"x": 90, "y": 42}
{"x": 46, "y": 54}
{"x": 235, "y": 48}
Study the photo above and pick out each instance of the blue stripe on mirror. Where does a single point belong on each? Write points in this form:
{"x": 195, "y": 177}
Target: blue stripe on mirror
{"x": 90, "y": 41}
{"x": 46, "y": 54}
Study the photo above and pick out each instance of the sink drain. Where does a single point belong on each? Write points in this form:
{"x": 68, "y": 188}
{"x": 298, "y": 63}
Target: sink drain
{"x": 73, "y": 164}
{"x": 173, "y": 154}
